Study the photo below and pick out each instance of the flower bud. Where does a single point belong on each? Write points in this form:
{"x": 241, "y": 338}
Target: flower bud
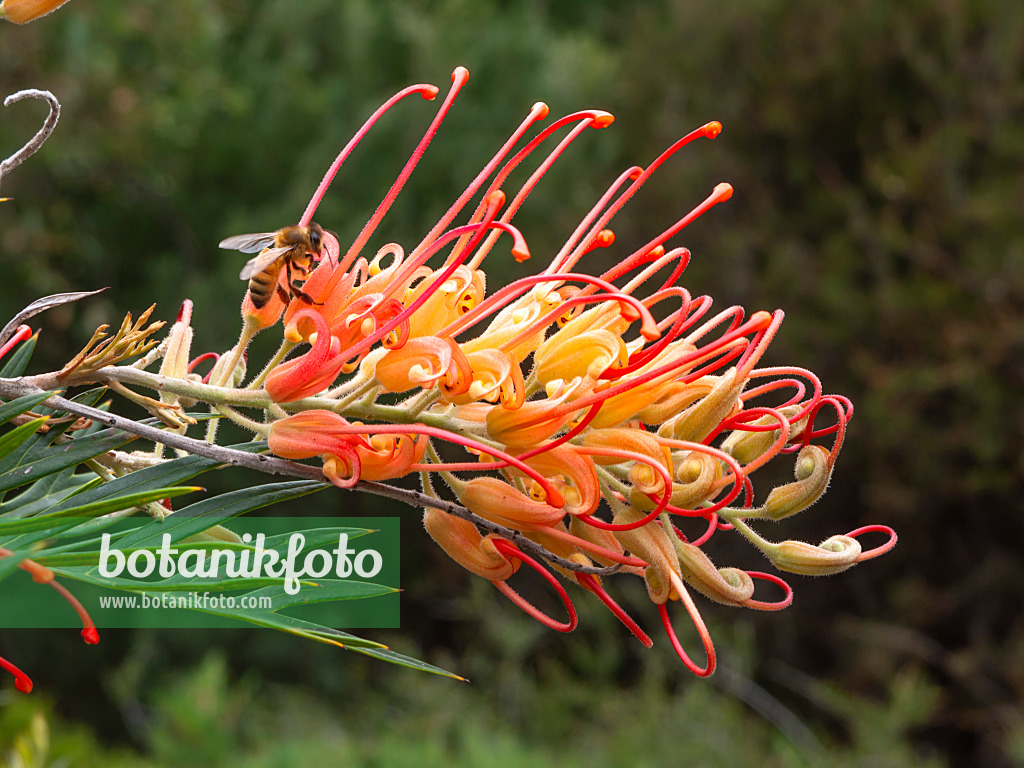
{"x": 24, "y": 11}
{"x": 571, "y": 474}
{"x": 747, "y": 446}
{"x": 463, "y": 543}
{"x": 697, "y": 474}
{"x": 673, "y": 398}
{"x": 237, "y": 375}
{"x": 499, "y": 502}
{"x": 729, "y": 586}
{"x": 599, "y": 537}
{"x": 700, "y": 419}
{"x": 557, "y": 545}
{"x": 833, "y": 555}
{"x": 176, "y": 356}
{"x": 651, "y": 543}
{"x": 531, "y": 424}
{"x": 812, "y": 471}
{"x": 644, "y": 477}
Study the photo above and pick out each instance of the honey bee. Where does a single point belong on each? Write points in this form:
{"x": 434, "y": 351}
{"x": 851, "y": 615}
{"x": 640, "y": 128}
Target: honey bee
{"x": 291, "y": 249}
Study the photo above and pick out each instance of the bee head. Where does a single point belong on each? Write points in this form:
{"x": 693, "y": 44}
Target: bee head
{"x": 316, "y": 237}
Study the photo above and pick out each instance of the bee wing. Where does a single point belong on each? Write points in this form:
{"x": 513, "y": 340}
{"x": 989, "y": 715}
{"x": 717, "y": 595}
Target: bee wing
{"x": 248, "y": 243}
{"x": 257, "y": 264}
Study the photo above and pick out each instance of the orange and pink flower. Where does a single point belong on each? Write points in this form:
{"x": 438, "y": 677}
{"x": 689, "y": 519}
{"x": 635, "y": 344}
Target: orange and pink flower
{"x": 593, "y": 429}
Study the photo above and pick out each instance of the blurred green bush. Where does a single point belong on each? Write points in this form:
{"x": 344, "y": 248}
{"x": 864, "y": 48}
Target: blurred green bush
{"x": 878, "y": 160}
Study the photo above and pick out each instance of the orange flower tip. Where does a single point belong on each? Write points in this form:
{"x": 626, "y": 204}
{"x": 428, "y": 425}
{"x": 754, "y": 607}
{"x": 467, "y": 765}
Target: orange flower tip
{"x": 712, "y": 129}
{"x": 460, "y": 75}
{"x": 91, "y": 636}
{"x": 650, "y": 331}
{"x": 496, "y": 199}
{"x": 540, "y": 108}
{"x": 604, "y": 238}
{"x": 602, "y": 119}
{"x": 723, "y": 192}
{"x": 761, "y": 319}
{"x": 636, "y": 173}
{"x": 429, "y": 92}
{"x": 628, "y": 312}
{"x": 655, "y": 253}
{"x": 520, "y": 252}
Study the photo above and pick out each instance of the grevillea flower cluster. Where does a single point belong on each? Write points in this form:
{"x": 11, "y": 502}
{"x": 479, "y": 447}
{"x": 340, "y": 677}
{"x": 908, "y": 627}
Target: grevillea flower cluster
{"x": 587, "y": 423}
{"x": 617, "y": 441}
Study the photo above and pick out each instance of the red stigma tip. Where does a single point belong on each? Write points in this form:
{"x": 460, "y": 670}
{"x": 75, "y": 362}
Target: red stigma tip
{"x": 430, "y": 92}
{"x": 21, "y": 681}
{"x": 520, "y": 254}
{"x": 602, "y": 119}
{"x": 655, "y": 253}
{"x": 496, "y": 198}
{"x": 541, "y": 109}
{"x": 712, "y": 129}
{"x": 460, "y": 74}
{"x": 91, "y": 635}
{"x": 723, "y": 191}
{"x": 636, "y": 174}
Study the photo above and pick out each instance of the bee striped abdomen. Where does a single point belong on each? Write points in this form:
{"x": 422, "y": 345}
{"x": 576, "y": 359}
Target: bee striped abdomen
{"x": 263, "y": 284}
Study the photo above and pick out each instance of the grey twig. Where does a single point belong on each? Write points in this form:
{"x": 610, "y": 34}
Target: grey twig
{"x": 41, "y": 136}
{"x": 12, "y": 388}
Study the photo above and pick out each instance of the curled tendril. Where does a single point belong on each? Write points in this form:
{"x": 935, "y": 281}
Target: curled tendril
{"x": 510, "y": 551}
{"x": 37, "y": 141}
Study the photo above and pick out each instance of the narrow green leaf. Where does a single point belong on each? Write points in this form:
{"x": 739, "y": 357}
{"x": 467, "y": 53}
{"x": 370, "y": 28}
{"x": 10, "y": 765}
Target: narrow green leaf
{"x": 392, "y": 657}
{"x": 45, "y": 492}
{"x": 203, "y": 514}
{"x": 90, "y": 575}
{"x": 322, "y": 591}
{"x": 21, "y": 404}
{"x": 17, "y": 470}
{"x": 315, "y": 537}
{"x": 161, "y": 475}
{"x": 15, "y": 437}
{"x": 121, "y": 501}
{"x": 10, "y": 563}
{"x": 55, "y": 520}
{"x": 294, "y": 626}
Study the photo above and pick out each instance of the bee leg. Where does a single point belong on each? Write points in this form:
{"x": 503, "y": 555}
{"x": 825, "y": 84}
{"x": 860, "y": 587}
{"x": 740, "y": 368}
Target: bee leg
{"x": 283, "y": 294}
{"x": 295, "y": 283}
{"x": 305, "y": 296}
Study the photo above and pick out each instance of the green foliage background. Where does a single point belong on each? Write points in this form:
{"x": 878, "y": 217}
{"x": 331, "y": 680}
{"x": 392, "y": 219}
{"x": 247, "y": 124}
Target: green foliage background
{"x": 878, "y": 159}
